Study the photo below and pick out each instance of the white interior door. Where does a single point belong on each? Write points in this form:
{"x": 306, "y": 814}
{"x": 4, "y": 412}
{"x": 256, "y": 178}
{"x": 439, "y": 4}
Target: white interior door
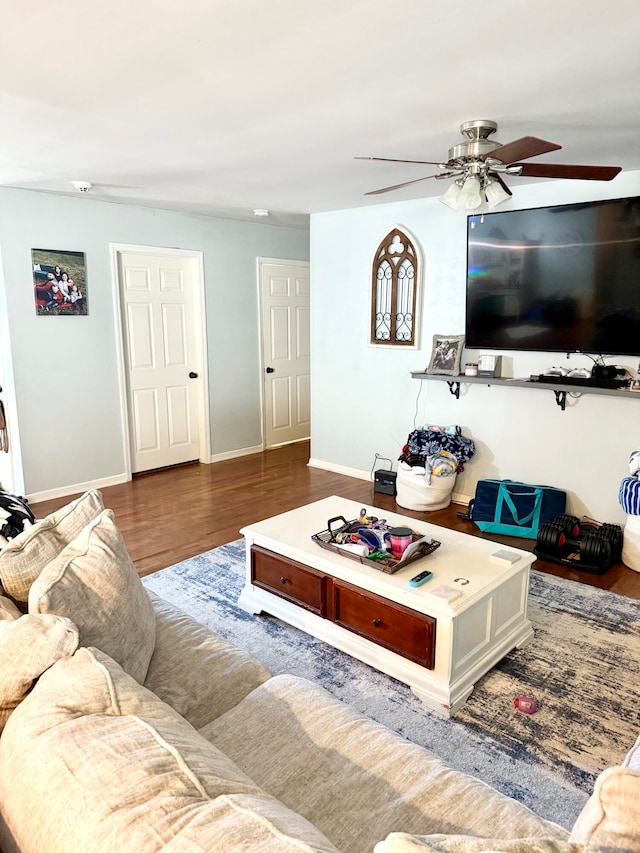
{"x": 284, "y": 311}
{"x": 162, "y": 358}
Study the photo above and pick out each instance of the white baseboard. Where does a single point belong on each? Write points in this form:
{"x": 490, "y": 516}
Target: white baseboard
{"x": 80, "y": 488}
{"x": 339, "y": 469}
{"x": 234, "y": 454}
{"x": 77, "y": 488}
{"x": 456, "y": 497}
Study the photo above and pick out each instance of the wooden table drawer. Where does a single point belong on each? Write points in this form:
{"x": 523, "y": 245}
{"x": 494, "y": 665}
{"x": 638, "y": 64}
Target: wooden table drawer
{"x": 284, "y": 577}
{"x": 386, "y": 623}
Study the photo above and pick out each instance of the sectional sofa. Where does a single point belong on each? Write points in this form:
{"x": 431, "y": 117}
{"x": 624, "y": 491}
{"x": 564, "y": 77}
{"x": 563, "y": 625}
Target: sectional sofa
{"x": 127, "y": 726}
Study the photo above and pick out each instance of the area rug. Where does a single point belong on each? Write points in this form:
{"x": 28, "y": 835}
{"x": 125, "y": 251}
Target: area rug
{"x": 581, "y": 668}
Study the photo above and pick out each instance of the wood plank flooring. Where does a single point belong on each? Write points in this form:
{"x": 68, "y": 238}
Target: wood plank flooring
{"x": 169, "y": 515}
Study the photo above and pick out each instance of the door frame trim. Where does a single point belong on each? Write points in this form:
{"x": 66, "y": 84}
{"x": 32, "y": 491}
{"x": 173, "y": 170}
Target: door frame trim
{"x": 261, "y": 366}
{"x": 204, "y": 431}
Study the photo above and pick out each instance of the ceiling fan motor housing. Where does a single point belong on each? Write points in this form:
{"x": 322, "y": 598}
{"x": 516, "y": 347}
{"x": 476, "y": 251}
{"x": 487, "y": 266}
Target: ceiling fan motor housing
{"x": 478, "y": 146}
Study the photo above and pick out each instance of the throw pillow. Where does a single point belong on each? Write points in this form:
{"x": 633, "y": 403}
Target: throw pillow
{"x": 24, "y": 557}
{"x": 15, "y": 516}
{"x": 94, "y": 583}
{"x": 29, "y": 645}
{"x": 611, "y": 816}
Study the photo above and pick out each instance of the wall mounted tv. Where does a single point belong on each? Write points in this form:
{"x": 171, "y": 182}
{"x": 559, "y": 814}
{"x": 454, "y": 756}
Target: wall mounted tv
{"x": 556, "y": 279}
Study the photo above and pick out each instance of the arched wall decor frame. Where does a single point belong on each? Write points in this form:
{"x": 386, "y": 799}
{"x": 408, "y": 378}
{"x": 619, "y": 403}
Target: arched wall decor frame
{"x": 395, "y": 291}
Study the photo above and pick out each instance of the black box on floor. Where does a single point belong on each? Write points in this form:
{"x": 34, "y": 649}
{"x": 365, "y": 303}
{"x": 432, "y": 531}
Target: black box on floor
{"x": 385, "y": 482}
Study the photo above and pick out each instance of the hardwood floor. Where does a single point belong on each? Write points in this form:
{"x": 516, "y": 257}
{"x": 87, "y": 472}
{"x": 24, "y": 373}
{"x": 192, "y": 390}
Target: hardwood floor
{"x": 169, "y": 515}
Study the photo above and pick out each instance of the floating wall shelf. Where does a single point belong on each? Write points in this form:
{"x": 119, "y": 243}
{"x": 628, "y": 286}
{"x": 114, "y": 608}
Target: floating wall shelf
{"x": 560, "y": 390}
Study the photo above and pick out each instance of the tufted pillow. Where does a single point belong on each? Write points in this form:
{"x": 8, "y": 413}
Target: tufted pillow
{"x": 29, "y": 645}
{"x": 24, "y": 557}
{"x": 94, "y": 583}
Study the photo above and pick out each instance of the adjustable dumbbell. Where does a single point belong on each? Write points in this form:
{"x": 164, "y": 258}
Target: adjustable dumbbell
{"x": 553, "y": 535}
{"x": 594, "y": 547}
{"x": 614, "y": 534}
{"x": 570, "y": 525}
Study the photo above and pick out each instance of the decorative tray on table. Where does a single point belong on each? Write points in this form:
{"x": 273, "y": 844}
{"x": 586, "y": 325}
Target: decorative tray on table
{"x": 341, "y": 533}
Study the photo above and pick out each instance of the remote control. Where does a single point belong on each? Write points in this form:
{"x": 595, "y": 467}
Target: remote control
{"x": 423, "y": 577}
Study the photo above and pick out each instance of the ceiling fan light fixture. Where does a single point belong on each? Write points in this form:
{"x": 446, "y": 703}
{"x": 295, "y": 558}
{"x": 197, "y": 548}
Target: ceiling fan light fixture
{"x": 495, "y": 194}
{"x": 452, "y": 196}
{"x": 470, "y": 196}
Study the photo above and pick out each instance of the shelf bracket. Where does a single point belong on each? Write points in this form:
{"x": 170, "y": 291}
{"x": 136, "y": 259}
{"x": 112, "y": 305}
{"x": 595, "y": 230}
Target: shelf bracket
{"x": 454, "y": 388}
{"x": 561, "y": 399}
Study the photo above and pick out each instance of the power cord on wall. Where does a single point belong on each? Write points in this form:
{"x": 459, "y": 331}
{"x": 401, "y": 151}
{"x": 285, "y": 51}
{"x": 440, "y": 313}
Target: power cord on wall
{"x": 415, "y": 414}
{"x": 384, "y": 459}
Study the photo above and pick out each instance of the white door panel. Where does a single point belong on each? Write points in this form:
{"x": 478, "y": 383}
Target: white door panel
{"x": 281, "y": 396}
{"x": 158, "y": 334}
{"x": 284, "y": 305}
{"x": 145, "y": 412}
{"x": 304, "y": 397}
{"x": 303, "y": 333}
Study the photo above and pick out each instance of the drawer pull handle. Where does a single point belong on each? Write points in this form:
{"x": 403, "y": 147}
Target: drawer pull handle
{"x": 377, "y": 623}
{"x": 284, "y": 580}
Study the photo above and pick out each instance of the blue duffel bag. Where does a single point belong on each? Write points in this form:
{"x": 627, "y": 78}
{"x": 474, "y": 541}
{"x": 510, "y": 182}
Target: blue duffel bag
{"x": 515, "y": 509}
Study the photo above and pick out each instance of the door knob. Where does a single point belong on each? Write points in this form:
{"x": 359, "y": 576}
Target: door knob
{"x": 269, "y": 370}
{"x": 193, "y": 375}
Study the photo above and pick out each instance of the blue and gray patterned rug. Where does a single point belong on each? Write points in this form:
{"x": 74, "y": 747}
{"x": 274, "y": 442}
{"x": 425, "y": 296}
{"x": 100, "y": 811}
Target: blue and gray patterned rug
{"x": 582, "y": 669}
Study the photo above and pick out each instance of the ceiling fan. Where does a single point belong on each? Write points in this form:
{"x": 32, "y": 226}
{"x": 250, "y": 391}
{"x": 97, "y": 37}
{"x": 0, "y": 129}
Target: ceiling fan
{"x": 479, "y": 163}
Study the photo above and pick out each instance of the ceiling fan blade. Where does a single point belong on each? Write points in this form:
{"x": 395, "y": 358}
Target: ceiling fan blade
{"x": 398, "y": 186}
{"x": 522, "y": 149}
{"x": 583, "y": 173}
{"x": 389, "y": 160}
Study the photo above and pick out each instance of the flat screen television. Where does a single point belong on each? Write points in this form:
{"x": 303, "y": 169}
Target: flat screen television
{"x": 556, "y": 279}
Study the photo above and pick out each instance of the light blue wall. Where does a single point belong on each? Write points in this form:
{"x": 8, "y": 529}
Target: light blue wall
{"x": 67, "y": 406}
{"x": 364, "y": 400}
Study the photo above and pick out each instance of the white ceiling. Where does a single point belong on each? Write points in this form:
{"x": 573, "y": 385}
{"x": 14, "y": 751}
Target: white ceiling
{"x": 223, "y": 106}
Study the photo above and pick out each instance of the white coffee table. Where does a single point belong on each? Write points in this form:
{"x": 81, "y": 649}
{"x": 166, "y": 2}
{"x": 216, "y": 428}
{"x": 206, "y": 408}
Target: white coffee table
{"x": 439, "y": 649}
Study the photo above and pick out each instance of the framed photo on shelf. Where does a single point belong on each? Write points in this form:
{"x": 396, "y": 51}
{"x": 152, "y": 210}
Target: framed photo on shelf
{"x": 446, "y": 355}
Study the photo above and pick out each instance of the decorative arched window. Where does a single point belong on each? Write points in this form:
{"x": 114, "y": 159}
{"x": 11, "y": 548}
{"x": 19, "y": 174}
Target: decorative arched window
{"x": 394, "y": 291}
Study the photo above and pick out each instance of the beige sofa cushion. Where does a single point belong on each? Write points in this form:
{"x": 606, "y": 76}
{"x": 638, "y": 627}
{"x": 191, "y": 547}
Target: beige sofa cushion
{"x": 29, "y": 645}
{"x": 400, "y": 842}
{"x": 91, "y": 760}
{"x": 611, "y": 816}
{"x": 95, "y": 584}
{"x": 24, "y": 557}
{"x": 367, "y": 781}
{"x": 218, "y": 675}
{"x": 8, "y": 610}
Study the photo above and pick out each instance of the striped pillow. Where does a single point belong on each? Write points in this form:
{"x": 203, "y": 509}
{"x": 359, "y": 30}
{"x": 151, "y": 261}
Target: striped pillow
{"x": 629, "y": 495}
